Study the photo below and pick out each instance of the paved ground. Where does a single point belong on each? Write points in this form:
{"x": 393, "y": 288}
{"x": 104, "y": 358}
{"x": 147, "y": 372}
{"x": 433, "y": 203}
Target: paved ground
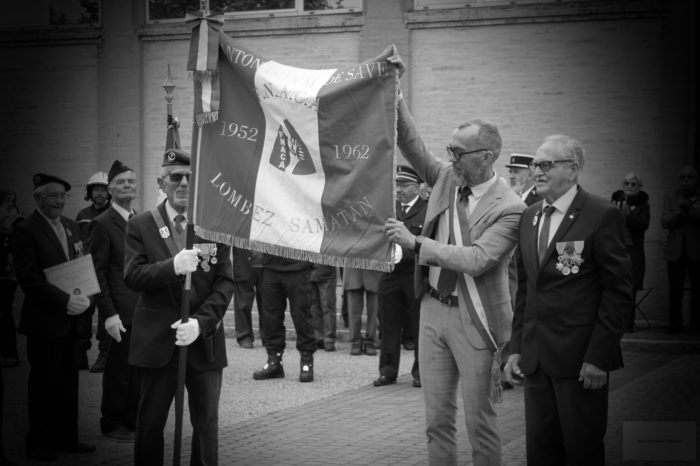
{"x": 342, "y": 419}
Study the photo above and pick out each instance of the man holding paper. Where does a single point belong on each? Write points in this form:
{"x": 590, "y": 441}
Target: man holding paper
{"x": 156, "y": 264}
{"x": 50, "y": 320}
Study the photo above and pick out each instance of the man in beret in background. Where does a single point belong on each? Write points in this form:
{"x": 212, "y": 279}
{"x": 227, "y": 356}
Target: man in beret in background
{"x": 116, "y": 304}
{"x": 155, "y": 264}
{"x": 50, "y": 319}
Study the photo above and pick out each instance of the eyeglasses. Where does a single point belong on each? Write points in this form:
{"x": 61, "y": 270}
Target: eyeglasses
{"x": 630, "y": 184}
{"x": 457, "y": 154}
{"x": 545, "y": 165}
{"x": 177, "y": 177}
{"x": 56, "y": 196}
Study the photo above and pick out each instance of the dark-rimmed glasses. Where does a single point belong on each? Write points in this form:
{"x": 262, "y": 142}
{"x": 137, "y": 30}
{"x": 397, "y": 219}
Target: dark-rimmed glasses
{"x": 545, "y": 165}
{"x": 177, "y": 177}
{"x": 456, "y": 153}
{"x": 630, "y": 184}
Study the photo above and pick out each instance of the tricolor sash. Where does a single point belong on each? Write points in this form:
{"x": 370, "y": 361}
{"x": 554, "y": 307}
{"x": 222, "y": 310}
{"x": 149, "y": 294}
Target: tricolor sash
{"x": 473, "y": 290}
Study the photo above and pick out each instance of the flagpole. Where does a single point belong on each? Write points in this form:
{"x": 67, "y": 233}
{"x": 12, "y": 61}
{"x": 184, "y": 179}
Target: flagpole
{"x": 186, "y": 290}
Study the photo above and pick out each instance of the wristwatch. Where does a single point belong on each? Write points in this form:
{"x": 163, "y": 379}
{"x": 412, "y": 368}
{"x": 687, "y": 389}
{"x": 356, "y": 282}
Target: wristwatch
{"x": 417, "y": 244}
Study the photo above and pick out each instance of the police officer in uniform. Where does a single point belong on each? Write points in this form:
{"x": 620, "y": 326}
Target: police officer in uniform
{"x": 397, "y": 298}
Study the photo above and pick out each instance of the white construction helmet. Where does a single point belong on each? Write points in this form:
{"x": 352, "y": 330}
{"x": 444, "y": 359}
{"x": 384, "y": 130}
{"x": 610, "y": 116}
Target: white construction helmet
{"x": 98, "y": 179}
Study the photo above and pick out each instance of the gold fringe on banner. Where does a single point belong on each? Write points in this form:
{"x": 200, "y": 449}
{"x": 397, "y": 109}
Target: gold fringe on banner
{"x": 295, "y": 254}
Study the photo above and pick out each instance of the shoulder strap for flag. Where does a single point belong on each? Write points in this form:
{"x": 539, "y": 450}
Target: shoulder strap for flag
{"x": 160, "y": 223}
{"x": 476, "y": 298}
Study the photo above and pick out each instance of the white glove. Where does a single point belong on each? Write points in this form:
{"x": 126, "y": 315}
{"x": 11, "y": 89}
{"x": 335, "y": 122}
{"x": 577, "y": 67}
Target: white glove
{"x": 114, "y": 327}
{"x": 186, "y": 261}
{"x": 398, "y": 253}
{"x": 77, "y": 304}
{"x": 186, "y": 333}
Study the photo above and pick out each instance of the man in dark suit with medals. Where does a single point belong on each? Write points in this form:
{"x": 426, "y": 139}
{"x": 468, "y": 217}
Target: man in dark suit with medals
{"x": 116, "y": 304}
{"x": 155, "y": 264}
{"x": 51, "y": 319}
{"x": 574, "y": 293}
{"x": 398, "y": 302}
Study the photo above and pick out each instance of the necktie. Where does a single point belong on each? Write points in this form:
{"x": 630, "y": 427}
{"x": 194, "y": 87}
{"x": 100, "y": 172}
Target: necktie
{"x": 404, "y": 209}
{"x": 131, "y": 215}
{"x": 178, "y": 223}
{"x": 544, "y": 234}
{"x": 61, "y": 233}
{"x": 464, "y": 193}
{"x": 447, "y": 280}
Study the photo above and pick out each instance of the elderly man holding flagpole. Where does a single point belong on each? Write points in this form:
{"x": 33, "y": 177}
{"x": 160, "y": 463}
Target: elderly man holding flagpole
{"x": 156, "y": 263}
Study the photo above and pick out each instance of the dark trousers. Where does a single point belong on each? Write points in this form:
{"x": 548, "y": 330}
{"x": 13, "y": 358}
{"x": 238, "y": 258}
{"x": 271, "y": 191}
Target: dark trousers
{"x": 52, "y": 391}
{"x": 397, "y": 304}
{"x": 564, "y": 423}
{"x": 244, "y": 292}
{"x": 278, "y": 287}
{"x": 8, "y": 329}
{"x": 156, "y": 392}
{"x": 119, "y": 389}
{"x": 676, "y": 283}
{"x": 323, "y": 314}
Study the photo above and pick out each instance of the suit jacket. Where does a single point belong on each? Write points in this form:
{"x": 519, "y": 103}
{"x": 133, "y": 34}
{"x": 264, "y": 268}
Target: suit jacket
{"x": 532, "y": 197}
{"x": 35, "y": 247}
{"x": 562, "y": 321}
{"x": 683, "y": 228}
{"x": 106, "y": 235}
{"x": 493, "y": 232}
{"x": 149, "y": 269}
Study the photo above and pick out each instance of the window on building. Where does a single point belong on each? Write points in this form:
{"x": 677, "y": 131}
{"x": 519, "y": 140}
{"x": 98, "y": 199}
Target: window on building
{"x": 41, "y": 13}
{"x": 428, "y": 4}
{"x": 163, "y": 10}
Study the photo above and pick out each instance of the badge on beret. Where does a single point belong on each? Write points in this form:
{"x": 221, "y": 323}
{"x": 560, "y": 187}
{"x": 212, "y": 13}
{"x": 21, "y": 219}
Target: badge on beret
{"x": 171, "y": 156}
{"x": 164, "y": 232}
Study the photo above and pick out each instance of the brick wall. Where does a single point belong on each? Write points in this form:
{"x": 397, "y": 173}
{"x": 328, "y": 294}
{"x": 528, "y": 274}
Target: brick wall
{"x": 49, "y": 116}
{"x": 597, "y": 81}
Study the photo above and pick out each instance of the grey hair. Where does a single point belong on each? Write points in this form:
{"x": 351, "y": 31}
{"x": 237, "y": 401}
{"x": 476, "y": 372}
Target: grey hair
{"x": 488, "y": 135}
{"x": 43, "y": 189}
{"x": 568, "y": 147}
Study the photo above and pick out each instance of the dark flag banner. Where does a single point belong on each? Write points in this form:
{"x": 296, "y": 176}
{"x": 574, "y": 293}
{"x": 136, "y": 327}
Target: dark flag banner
{"x": 295, "y": 162}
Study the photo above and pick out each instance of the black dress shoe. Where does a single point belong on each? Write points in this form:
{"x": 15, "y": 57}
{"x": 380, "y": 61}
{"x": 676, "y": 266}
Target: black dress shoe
{"x": 76, "y": 448}
{"x": 416, "y": 382}
{"x": 383, "y": 380}
{"x": 41, "y": 454}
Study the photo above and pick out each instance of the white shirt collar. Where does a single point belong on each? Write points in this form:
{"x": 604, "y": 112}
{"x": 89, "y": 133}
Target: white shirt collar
{"x": 410, "y": 203}
{"x": 564, "y": 202}
{"x": 480, "y": 189}
{"x": 527, "y": 192}
{"x": 122, "y": 211}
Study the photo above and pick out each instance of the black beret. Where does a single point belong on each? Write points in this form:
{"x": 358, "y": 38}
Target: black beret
{"x": 116, "y": 169}
{"x": 41, "y": 179}
{"x": 176, "y": 157}
{"x": 406, "y": 173}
